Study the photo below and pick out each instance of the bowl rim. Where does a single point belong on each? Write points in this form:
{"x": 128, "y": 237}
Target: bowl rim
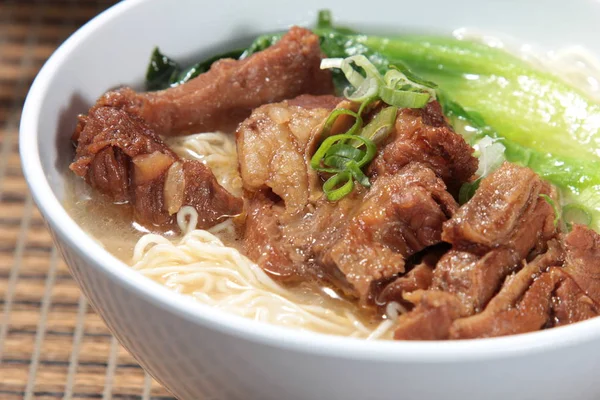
{"x": 273, "y": 336}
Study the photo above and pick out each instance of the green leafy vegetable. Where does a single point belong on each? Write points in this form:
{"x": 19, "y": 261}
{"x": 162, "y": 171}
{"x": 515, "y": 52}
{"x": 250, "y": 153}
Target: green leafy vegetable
{"x": 163, "y": 72}
{"x": 576, "y": 214}
{"x": 530, "y": 107}
{"x": 467, "y": 190}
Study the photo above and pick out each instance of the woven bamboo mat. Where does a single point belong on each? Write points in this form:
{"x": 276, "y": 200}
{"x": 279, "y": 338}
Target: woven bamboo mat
{"x": 52, "y": 344}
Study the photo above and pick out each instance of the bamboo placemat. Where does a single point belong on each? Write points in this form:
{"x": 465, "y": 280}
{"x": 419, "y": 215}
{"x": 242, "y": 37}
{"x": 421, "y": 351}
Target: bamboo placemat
{"x": 52, "y": 344}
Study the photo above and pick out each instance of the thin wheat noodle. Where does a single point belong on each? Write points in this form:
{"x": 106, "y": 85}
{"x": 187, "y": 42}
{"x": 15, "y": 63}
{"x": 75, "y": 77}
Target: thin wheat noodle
{"x": 201, "y": 266}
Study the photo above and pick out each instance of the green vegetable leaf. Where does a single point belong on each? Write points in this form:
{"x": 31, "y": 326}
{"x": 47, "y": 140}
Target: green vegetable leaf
{"x": 324, "y": 20}
{"x": 576, "y": 214}
{"x": 467, "y": 191}
{"x": 203, "y": 66}
{"x": 161, "y": 71}
{"x": 260, "y": 43}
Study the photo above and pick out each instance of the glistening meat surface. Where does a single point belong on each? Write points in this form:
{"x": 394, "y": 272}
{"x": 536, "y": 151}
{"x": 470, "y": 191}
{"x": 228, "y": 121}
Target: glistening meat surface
{"x": 121, "y": 157}
{"x": 294, "y": 233}
{"x": 222, "y": 97}
{"x": 557, "y": 288}
{"x": 423, "y": 135}
{"x": 400, "y": 215}
{"x": 500, "y": 226}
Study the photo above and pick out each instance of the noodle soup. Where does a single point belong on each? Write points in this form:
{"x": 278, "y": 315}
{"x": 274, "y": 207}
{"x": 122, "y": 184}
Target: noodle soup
{"x": 397, "y": 211}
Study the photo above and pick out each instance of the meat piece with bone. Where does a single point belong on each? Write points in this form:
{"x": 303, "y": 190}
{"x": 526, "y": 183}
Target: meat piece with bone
{"x": 121, "y": 157}
{"x": 226, "y": 94}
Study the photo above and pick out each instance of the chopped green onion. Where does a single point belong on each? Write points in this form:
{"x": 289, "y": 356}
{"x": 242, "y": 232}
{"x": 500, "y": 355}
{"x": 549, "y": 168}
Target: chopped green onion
{"x": 346, "y": 151}
{"x": 398, "y": 87}
{"x": 367, "y": 90}
{"x": 332, "y": 188}
{"x": 335, "y": 114}
{"x": 345, "y": 161}
{"x": 328, "y": 63}
{"x": 358, "y": 175}
{"x": 337, "y": 162}
{"x": 576, "y": 214}
{"x": 403, "y": 98}
{"x": 557, "y": 212}
{"x": 380, "y": 126}
{"x": 369, "y": 154}
{"x": 343, "y": 154}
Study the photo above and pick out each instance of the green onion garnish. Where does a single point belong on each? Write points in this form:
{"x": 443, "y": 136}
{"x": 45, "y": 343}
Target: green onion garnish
{"x": 557, "y": 211}
{"x": 327, "y": 149}
{"x": 345, "y": 162}
{"x": 398, "y": 87}
{"x": 332, "y": 188}
{"x": 381, "y": 125}
{"x": 576, "y": 214}
{"x": 347, "y": 154}
{"x": 335, "y": 114}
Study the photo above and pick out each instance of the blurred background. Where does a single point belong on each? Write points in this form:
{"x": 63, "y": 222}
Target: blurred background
{"x": 52, "y": 344}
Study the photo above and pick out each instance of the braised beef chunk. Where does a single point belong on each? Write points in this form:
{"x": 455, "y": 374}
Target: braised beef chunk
{"x": 571, "y": 304}
{"x": 422, "y": 135}
{"x": 109, "y": 173}
{"x": 120, "y": 156}
{"x": 577, "y": 296}
{"x": 522, "y": 305}
{"x": 222, "y": 97}
{"x": 400, "y": 215}
{"x": 417, "y": 278}
{"x": 557, "y": 288}
{"x": 431, "y": 318}
{"x": 294, "y": 233}
{"x": 264, "y": 241}
{"x": 273, "y": 150}
{"x": 507, "y": 211}
{"x": 582, "y": 264}
{"x": 490, "y": 235}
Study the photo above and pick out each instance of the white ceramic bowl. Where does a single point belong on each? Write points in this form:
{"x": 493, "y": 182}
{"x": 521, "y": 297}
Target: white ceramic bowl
{"x": 199, "y": 353}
